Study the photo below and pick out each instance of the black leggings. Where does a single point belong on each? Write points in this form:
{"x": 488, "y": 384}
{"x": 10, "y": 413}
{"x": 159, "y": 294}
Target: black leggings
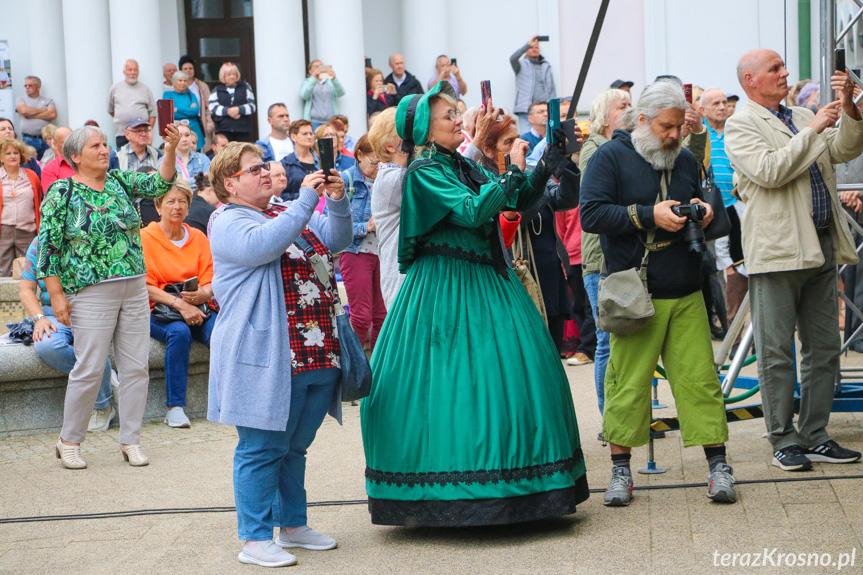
{"x": 555, "y": 327}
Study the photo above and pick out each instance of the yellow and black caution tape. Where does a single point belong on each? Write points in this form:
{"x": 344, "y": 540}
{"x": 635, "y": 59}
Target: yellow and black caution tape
{"x": 736, "y": 414}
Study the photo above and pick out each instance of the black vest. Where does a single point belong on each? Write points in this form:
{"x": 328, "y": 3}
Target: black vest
{"x": 227, "y": 123}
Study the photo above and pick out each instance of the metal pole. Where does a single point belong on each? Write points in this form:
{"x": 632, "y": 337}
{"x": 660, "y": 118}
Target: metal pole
{"x": 828, "y": 44}
{"x": 588, "y": 56}
{"x": 737, "y": 362}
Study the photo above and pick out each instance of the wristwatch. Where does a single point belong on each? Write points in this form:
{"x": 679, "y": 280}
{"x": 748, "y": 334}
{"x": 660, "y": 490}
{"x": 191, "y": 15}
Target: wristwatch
{"x": 38, "y": 316}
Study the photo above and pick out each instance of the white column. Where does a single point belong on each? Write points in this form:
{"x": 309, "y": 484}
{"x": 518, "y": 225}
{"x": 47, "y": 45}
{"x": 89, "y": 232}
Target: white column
{"x": 279, "y": 62}
{"x": 87, "y": 40}
{"x": 344, "y": 51}
{"x": 173, "y": 28}
{"x": 136, "y": 34}
{"x": 425, "y": 34}
{"x": 46, "y": 54}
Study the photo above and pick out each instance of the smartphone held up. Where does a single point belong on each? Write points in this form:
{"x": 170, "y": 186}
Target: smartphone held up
{"x": 165, "y": 114}
{"x": 326, "y": 155}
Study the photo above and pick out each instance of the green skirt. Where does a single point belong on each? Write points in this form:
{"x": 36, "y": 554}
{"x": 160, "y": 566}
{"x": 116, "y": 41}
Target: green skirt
{"x": 470, "y": 418}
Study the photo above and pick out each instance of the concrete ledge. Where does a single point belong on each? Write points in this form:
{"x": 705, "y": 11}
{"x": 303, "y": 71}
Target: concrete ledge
{"x": 32, "y": 392}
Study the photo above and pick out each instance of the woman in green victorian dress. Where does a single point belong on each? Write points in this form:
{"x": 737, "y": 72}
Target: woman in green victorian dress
{"x": 470, "y": 418}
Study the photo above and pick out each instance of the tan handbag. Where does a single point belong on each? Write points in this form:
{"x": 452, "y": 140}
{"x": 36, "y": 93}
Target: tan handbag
{"x": 526, "y": 271}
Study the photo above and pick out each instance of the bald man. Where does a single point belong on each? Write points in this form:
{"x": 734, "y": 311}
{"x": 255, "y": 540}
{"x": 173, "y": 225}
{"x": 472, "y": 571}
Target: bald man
{"x": 794, "y": 236}
{"x": 58, "y": 168}
{"x": 405, "y": 82}
{"x": 130, "y": 99}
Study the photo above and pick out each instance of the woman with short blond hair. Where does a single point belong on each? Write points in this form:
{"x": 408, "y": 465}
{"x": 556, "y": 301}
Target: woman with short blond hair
{"x": 387, "y": 199}
{"x": 232, "y": 104}
{"x": 19, "y": 203}
{"x": 275, "y": 362}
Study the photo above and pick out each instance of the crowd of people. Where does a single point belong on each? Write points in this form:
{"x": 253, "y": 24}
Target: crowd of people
{"x": 440, "y": 244}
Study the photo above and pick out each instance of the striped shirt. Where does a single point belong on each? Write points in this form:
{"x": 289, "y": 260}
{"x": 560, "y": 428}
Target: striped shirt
{"x": 723, "y": 174}
{"x": 821, "y": 210}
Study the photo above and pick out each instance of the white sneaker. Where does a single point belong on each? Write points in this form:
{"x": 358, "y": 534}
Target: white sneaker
{"x": 307, "y": 538}
{"x": 266, "y": 554}
{"x": 176, "y": 417}
{"x": 100, "y": 420}
{"x": 579, "y": 359}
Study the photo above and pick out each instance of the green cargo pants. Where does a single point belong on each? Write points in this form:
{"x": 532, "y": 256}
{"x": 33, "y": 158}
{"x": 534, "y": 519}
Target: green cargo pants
{"x": 679, "y": 332}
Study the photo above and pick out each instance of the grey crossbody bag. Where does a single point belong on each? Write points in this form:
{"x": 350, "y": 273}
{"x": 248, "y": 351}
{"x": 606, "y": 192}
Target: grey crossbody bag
{"x": 624, "y": 305}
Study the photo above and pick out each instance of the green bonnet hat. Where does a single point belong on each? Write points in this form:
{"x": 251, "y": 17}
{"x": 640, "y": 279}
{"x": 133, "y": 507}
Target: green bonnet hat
{"x": 414, "y": 114}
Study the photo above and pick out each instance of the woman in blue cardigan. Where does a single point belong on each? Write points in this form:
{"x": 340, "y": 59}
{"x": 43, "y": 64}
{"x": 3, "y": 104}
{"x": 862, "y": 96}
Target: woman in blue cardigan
{"x": 274, "y": 366}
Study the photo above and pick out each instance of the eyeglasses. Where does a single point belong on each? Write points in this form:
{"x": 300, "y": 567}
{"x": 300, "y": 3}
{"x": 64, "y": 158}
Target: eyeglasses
{"x": 254, "y": 170}
{"x": 146, "y": 130}
{"x": 451, "y": 115}
{"x": 30, "y": 85}
{"x": 182, "y": 122}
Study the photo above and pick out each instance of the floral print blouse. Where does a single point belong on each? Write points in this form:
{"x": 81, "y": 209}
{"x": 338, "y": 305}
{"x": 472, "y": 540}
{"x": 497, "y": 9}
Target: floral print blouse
{"x": 311, "y": 313}
{"x": 86, "y": 237}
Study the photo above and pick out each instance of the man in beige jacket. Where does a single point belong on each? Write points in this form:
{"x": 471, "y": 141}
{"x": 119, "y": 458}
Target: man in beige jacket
{"x": 794, "y": 235}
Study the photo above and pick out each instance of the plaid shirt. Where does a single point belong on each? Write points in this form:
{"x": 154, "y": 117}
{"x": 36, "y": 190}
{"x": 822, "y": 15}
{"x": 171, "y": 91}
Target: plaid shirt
{"x": 821, "y": 210}
{"x": 311, "y": 315}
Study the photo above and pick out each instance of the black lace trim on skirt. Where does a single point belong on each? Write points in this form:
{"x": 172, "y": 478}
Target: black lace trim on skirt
{"x": 481, "y": 476}
{"x": 453, "y": 252}
{"x": 477, "y": 512}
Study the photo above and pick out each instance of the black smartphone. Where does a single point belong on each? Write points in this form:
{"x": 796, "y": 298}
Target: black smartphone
{"x": 542, "y": 38}
{"x": 840, "y": 60}
{"x": 368, "y": 62}
{"x": 165, "y": 114}
{"x": 191, "y": 284}
{"x": 326, "y": 155}
{"x": 453, "y": 61}
{"x": 507, "y": 160}
{"x": 553, "y": 118}
{"x": 485, "y": 90}
{"x": 572, "y": 145}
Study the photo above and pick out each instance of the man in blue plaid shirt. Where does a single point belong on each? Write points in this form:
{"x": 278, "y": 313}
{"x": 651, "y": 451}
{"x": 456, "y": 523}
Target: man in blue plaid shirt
{"x": 794, "y": 236}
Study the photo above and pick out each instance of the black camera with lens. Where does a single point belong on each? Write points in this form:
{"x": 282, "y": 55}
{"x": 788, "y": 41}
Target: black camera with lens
{"x": 693, "y": 234}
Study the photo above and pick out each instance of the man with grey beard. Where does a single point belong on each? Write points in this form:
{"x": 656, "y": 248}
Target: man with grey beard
{"x": 627, "y": 195}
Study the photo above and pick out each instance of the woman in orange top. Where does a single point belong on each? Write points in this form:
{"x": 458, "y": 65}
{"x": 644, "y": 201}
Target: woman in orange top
{"x": 20, "y": 199}
{"x": 175, "y": 253}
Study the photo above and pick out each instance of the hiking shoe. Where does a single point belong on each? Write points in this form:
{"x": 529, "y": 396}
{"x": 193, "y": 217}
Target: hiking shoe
{"x": 619, "y": 492}
{"x": 579, "y": 359}
{"x": 307, "y": 538}
{"x": 100, "y": 420}
{"x": 720, "y": 484}
{"x": 176, "y": 417}
{"x": 832, "y": 452}
{"x": 266, "y": 554}
{"x": 791, "y": 458}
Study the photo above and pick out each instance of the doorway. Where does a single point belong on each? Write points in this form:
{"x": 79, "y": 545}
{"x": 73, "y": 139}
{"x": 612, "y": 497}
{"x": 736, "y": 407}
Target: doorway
{"x": 220, "y": 31}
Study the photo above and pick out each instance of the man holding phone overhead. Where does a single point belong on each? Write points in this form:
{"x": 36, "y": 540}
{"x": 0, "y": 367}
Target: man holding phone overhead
{"x": 794, "y": 236}
{"x": 533, "y": 79}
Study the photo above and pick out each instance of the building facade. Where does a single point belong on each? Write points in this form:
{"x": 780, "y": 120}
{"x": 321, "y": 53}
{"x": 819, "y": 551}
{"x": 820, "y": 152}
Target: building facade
{"x": 78, "y": 47}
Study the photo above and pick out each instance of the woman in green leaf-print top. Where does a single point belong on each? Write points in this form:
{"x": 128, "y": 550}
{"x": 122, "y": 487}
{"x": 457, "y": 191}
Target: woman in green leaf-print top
{"x": 91, "y": 259}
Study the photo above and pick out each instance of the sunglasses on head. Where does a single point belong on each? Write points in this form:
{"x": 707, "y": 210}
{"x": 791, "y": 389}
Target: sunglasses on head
{"x": 254, "y": 170}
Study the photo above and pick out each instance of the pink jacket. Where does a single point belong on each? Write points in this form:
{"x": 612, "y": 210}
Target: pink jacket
{"x": 569, "y": 230}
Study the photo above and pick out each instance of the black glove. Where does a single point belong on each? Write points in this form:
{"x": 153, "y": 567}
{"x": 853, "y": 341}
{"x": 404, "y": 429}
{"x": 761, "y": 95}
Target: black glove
{"x": 552, "y": 163}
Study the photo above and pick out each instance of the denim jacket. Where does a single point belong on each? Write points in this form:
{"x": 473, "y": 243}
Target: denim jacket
{"x": 361, "y": 205}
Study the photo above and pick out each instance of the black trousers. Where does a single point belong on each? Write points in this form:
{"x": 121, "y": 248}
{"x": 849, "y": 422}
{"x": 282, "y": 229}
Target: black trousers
{"x": 582, "y": 313}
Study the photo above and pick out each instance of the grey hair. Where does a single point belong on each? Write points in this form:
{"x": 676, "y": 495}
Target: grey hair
{"x": 75, "y": 142}
{"x": 661, "y": 95}
{"x": 36, "y": 78}
{"x": 601, "y": 108}
{"x": 179, "y": 76}
{"x": 470, "y": 112}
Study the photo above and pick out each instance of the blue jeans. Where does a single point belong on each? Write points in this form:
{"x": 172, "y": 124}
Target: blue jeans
{"x": 37, "y": 143}
{"x": 57, "y": 351}
{"x": 177, "y": 337}
{"x": 603, "y": 341}
{"x": 270, "y": 466}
